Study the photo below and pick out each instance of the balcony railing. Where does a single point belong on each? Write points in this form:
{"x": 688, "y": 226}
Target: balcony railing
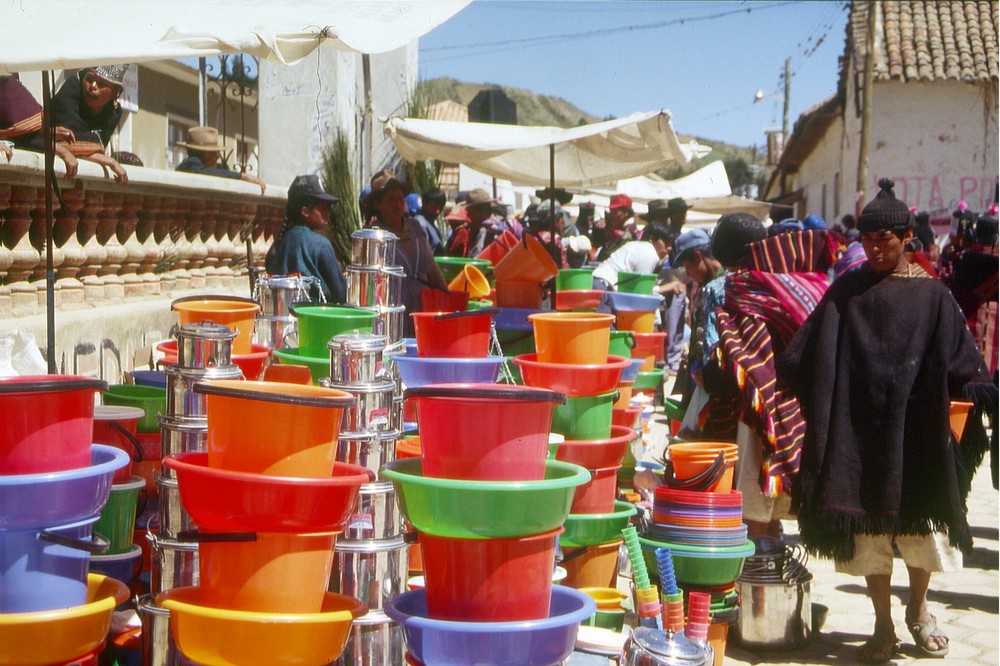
{"x": 120, "y": 250}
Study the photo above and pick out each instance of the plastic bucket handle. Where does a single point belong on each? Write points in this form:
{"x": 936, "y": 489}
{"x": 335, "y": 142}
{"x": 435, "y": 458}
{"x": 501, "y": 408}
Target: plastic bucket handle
{"x": 467, "y": 313}
{"x": 197, "y": 536}
{"x": 137, "y": 456}
{"x": 97, "y": 545}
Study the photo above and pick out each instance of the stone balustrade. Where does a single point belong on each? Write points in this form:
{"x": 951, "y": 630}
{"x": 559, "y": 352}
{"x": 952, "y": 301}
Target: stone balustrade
{"x": 120, "y": 250}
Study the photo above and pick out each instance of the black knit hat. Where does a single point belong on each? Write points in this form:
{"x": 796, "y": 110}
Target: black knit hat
{"x": 885, "y": 211}
{"x": 732, "y": 235}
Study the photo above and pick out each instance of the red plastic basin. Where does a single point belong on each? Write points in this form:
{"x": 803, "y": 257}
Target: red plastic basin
{"x": 453, "y": 334}
{"x": 597, "y": 453}
{"x": 231, "y": 501}
{"x": 578, "y": 299}
{"x": 648, "y": 343}
{"x": 252, "y": 364}
{"x": 597, "y": 495}
{"x": 489, "y": 580}
{"x": 572, "y": 379}
{"x": 48, "y": 422}
{"x": 484, "y": 432}
{"x": 627, "y": 417}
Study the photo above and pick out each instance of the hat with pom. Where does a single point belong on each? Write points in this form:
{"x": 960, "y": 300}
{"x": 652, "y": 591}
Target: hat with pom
{"x": 885, "y": 211}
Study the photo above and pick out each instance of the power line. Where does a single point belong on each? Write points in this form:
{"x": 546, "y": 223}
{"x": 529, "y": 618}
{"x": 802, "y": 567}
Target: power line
{"x": 533, "y": 42}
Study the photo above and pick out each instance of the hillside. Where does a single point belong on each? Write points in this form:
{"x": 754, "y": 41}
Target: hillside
{"x": 545, "y": 110}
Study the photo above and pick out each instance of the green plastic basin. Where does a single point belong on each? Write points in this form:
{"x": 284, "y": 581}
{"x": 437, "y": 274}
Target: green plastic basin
{"x": 319, "y": 366}
{"x": 590, "y": 529}
{"x": 699, "y": 565}
{"x": 151, "y": 400}
{"x": 484, "y": 509}
{"x": 648, "y": 380}
{"x": 450, "y": 266}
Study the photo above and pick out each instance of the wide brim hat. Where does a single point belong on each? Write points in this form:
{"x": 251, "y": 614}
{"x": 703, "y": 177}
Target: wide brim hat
{"x": 384, "y": 181}
{"x": 657, "y": 209}
{"x": 204, "y": 139}
{"x": 560, "y": 195}
{"x": 478, "y": 198}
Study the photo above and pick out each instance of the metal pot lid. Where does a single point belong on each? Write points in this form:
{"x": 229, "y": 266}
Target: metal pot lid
{"x": 201, "y": 374}
{"x": 396, "y": 271}
{"x": 357, "y": 341}
{"x": 375, "y": 234}
{"x": 370, "y": 545}
{"x": 486, "y": 391}
{"x": 677, "y": 648}
{"x": 206, "y": 330}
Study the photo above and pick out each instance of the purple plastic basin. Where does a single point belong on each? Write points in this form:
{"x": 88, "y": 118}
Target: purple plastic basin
{"x": 39, "y": 575}
{"x": 33, "y": 501}
{"x": 530, "y": 643}
{"x": 417, "y": 371}
{"x": 630, "y": 373}
{"x": 122, "y": 566}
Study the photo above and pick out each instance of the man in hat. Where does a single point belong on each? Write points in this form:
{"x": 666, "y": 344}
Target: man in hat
{"x": 299, "y": 247}
{"x": 204, "y": 149}
{"x": 875, "y": 367}
{"x": 86, "y": 108}
{"x": 612, "y": 227}
{"x": 676, "y": 213}
{"x": 469, "y": 239}
{"x": 431, "y": 204}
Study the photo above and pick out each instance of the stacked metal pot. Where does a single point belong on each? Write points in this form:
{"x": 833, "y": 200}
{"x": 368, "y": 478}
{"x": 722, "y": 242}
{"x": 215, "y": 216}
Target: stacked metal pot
{"x": 370, "y": 558}
{"x": 275, "y": 325}
{"x": 204, "y": 351}
{"x": 375, "y": 282}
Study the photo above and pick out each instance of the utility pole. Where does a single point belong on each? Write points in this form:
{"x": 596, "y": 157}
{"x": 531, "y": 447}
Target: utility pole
{"x": 788, "y": 92}
{"x": 866, "y": 110}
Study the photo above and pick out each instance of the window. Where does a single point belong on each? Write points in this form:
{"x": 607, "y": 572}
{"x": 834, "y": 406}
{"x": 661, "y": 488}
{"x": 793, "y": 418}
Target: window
{"x": 177, "y": 128}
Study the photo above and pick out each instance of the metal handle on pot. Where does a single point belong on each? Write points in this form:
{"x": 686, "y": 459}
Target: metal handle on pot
{"x": 197, "y": 536}
{"x": 97, "y": 545}
{"x": 131, "y": 438}
{"x": 467, "y": 313}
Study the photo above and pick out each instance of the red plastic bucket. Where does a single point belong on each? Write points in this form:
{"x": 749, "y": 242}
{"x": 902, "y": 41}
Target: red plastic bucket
{"x": 598, "y": 494}
{"x": 453, "y": 334}
{"x": 435, "y": 300}
{"x": 485, "y": 432}
{"x": 47, "y": 422}
{"x": 597, "y": 453}
{"x": 117, "y": 426}
{"x": 489, "y": 580}
{"x": 627, "y": 417}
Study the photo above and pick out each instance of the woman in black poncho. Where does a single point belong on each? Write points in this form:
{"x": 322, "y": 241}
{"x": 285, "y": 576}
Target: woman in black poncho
{"x": 875, "y": 367}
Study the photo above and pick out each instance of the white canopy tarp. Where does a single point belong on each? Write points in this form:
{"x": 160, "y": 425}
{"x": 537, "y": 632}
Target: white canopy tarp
{"x": 56, "y": 34}
{"x": 587, "y": 155}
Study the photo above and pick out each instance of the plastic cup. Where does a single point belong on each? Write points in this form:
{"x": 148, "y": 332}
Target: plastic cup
{"x": 117, "y": 520}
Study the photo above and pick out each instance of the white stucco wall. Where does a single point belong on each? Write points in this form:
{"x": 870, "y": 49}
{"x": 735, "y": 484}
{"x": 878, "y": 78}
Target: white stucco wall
{"x": 302, "y": 106}
{"x": 822, "y": 171}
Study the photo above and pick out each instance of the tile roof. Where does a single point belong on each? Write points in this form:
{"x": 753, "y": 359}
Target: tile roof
{"x": 919, "y": 40}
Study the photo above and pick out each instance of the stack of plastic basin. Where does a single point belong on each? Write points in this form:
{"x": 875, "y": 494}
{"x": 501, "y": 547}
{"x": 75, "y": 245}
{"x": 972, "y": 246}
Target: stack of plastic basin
{"x": 54, "y": 483}
{"x": 267, "y": 503}
{"x": 573, "y": 290}
{"x": 488, "y": 508}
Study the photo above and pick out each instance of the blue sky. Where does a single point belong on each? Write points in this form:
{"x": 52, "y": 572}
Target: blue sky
{"x": 704, "y": 61}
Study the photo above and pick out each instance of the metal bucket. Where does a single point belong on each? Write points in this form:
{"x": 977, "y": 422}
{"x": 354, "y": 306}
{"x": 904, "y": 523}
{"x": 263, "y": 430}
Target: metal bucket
{"x": 173, "y": 518}
{"x": 375, "y": 285}
{"x": 182, "y": 434}
{"x": 158, "y": 647}
{"x": 774, "y": 616}
{"x": 181, "y": 398}
{"x": 377, "y": 514}
{"x": 375, "y": 640}
{"x": 371, "y": 450}
{"x": 372, "y": 571}
{"x": 372, "y": 411}
{"x": 204, "y": 345}
{"x": 389, "y": 322}
{"x": 276, "y": 293}
{"x": 373, "y": 247}
{"x": 276, "y": 332}
{"x": 175, "y": 564}
{"x": 357, "y": 359}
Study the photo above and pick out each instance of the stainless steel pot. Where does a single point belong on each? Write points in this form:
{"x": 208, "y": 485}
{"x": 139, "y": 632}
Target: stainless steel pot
{"x": 158, "y": 648}
{"x": 774, "y": 616}
{"x": 373, "y": 247}
{"x": 377, "y": 515}
{"x": 276, "y": 293}
{"x": 173, "y": 518}
{"x": 372, "y": 571}
{"x": 372, "y": 411}
{"x": 276, "y": 332}
{"x": 654, "y": 647}
{"x": 389, "y": 322}
{"x": 374, "y": 639}
{"x": 174, "y": 564}
{"x": 204, "y": 345}
{"x": 182, "y": 434}
{"x": 375, "y": 285}
{"x": 181, "y": 398}
{"x": 357, "y": 359}
{"x": 371, "y": 450}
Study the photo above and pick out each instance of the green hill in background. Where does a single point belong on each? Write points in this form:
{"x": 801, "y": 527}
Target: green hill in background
{"x": 745, "y": 165}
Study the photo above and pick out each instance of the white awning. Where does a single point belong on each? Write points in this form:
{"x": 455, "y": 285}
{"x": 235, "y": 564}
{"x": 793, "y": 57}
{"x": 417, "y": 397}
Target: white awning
{"x": 49, "y": 34}
{"x": 591, "y": 154}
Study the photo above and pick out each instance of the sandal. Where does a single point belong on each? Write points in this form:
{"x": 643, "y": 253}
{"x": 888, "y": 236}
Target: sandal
{"x": 923, "y": 631}
{"x": 879, "y": 648}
